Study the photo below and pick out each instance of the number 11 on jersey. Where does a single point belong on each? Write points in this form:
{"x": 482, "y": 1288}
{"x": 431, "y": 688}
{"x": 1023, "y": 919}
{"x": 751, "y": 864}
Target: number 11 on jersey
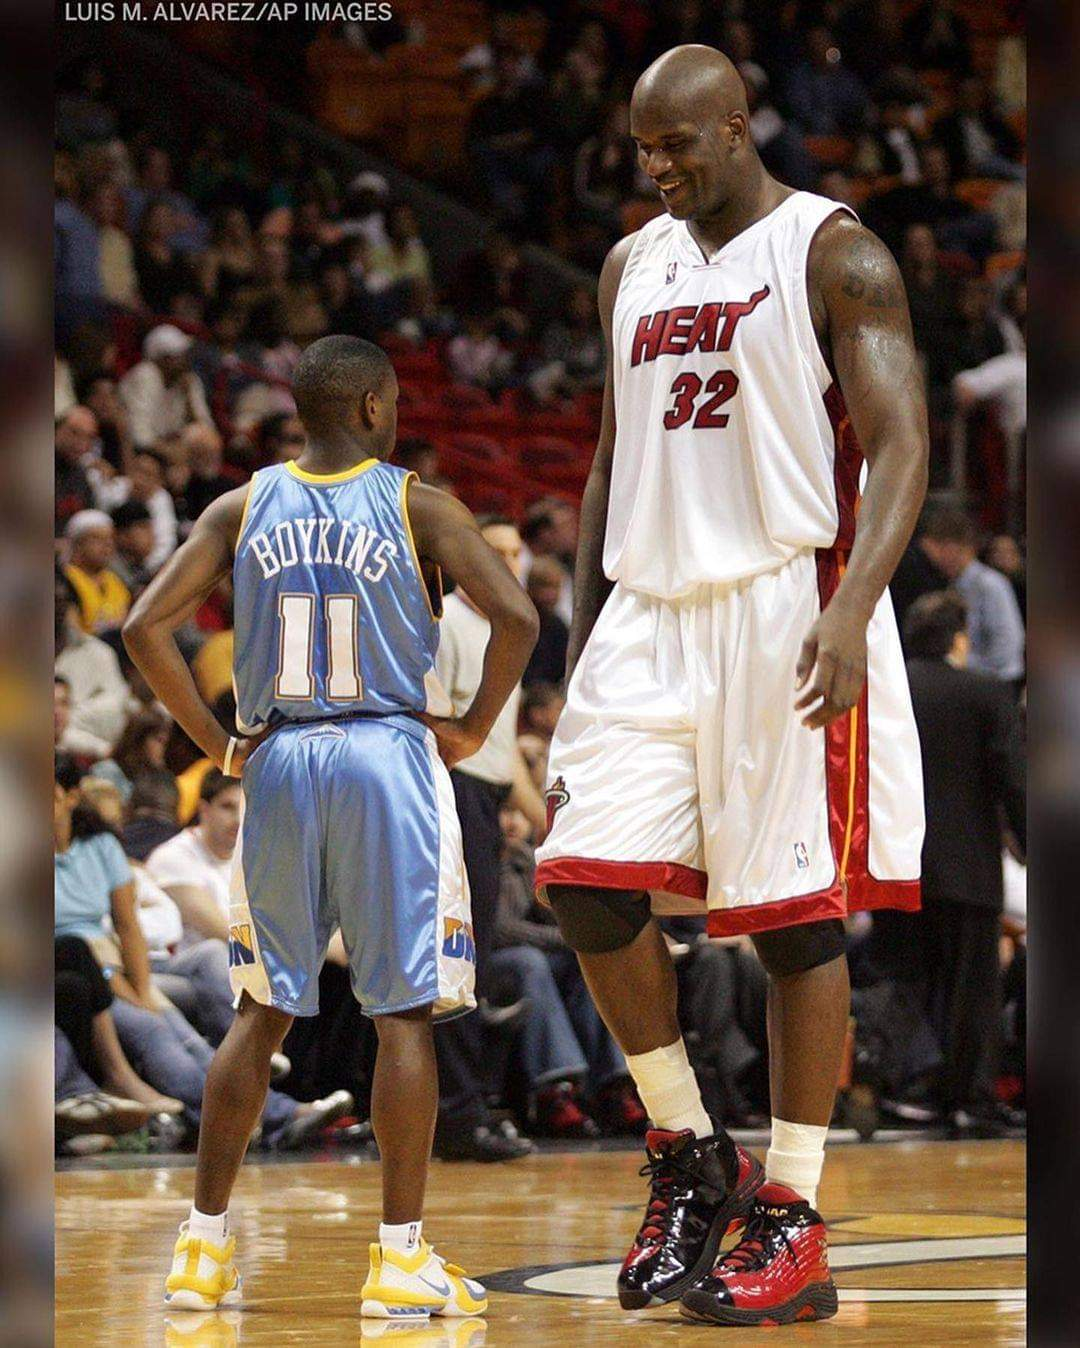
{"x": 295, "y": 679}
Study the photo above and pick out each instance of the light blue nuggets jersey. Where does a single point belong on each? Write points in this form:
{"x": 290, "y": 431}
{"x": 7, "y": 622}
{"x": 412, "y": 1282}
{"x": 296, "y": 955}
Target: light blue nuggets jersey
{"x": 331, "y": 613}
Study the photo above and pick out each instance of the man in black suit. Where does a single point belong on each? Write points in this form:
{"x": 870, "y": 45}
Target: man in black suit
{"x": 973, "y": 771}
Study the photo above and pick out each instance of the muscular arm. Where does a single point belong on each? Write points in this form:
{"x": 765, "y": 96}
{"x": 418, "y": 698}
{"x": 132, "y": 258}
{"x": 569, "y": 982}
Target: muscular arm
{"x": 860, "y": 311}
{"x": 446, "y": 533}
{"x": 591, "y": 586}
{"x": 172, "y": 597}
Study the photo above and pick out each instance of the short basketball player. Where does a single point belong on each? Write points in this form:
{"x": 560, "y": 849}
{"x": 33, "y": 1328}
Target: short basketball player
{"x": 349, "y": 814}
{"x": 738, "y": 730}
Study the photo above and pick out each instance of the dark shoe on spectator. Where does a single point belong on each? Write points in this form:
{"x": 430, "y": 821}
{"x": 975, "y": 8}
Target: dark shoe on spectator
{"x": 97, "y": 1113}
{"x": 310, "y": 1119}
{"x": 87, "y": 1144}
{"x": 619, "y": 1112}
{"x": 168, "y": 1132}
{"x": 558, "y": 1113}
{"x": 984, "y": 1121}
{"x": 500, "y": 1143}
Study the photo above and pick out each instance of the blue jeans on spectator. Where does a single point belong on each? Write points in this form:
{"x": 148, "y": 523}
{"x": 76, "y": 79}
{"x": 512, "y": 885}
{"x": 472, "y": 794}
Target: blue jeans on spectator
{"x": 70, "y": 1078}
{"x": 174, "y": 1058}
{"x": 562, "y": 1036}
{"x": 196, "y": 981}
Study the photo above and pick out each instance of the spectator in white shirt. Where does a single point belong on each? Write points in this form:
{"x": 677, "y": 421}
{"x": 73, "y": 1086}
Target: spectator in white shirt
{"x": 194, "y": 867}
{"x": 146, "y": 485}
{"x": 194, "y": 975}
{"x": 97, "y": 701}
{"x": 162, "y": 393}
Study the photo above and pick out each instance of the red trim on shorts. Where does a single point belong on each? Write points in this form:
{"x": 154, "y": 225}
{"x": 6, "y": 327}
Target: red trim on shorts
{"x": 837, "y": 733}
{"x": 864, "y": 891}
{"x": 865, "y": 894}
{"x": 665, "y": 875}
{"x": 847, "y": 465}
{"x": 751, "y": 917}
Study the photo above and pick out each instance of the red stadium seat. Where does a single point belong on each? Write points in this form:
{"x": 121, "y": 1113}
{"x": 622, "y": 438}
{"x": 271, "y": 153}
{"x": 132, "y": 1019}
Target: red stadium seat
{"x": 480, "y": 446}
{"x": 548, "y": 449}
{"x": 831, "y": 151}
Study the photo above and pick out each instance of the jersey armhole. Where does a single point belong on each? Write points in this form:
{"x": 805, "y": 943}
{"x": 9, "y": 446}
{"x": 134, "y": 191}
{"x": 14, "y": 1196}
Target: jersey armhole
{"x": 431, "y": 584}
{"x": 245, "y": 511}
{"x": 802, "y": 282}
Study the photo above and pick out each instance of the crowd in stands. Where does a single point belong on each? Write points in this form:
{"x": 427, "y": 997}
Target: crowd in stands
{"x": 189, "y": 276}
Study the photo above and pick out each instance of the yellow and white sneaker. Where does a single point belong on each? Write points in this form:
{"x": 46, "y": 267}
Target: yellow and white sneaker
{"x": 206, "y": 1329}
{"x": 203, "y": 1277}
{"x": 410, "y": 1287}
{"x": 468, "y": 1333}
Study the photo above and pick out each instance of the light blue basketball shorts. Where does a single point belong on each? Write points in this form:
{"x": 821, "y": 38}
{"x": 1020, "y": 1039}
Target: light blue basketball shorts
{"x": 351, "y": 824}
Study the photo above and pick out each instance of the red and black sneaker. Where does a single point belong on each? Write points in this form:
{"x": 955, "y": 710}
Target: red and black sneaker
{"x": 778, "y": 1273}
{"x": 700, "y": 1189}
{"x": 558, "y": 1113}
{"x": 619, "y": 1111}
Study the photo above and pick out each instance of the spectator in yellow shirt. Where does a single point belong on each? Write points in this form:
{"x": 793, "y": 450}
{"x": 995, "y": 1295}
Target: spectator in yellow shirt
{"x": 103, "y": 597}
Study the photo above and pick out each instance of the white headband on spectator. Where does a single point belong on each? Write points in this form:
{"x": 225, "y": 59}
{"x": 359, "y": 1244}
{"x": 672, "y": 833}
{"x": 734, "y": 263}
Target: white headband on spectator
{"x": 83, "y": 521}
{"x": 166, "y": 340}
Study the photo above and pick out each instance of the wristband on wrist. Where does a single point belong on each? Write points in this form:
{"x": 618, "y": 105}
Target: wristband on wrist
{"x": 226, "y": 766}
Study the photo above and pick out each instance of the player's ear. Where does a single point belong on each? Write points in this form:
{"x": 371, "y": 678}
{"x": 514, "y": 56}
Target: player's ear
{"x": 737, "y": 129}
{"x": 369, "y": 408}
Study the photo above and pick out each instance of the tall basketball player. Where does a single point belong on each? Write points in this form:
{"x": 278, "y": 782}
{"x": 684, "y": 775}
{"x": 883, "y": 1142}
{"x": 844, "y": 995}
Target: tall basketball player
{"x": 738, "y": 731}
{"x": 349, "y": 816}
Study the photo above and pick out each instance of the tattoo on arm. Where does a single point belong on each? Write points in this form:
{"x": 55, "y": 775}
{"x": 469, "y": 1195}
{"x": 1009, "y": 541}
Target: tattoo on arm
{"x": 863, "y": 279}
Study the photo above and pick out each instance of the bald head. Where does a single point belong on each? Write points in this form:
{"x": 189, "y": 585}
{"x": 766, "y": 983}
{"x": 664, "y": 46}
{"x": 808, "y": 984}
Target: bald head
{"x": 694, "y": 81}
{"x": 689, "y": 117}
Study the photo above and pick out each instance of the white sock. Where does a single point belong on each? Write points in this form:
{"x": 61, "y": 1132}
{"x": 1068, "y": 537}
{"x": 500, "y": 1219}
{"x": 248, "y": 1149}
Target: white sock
{"x": 669, "y": 1089}
{"x": 214, "y": 1229}
{"x": 796, "y": 1156}
{"x": 404, "y": 1237}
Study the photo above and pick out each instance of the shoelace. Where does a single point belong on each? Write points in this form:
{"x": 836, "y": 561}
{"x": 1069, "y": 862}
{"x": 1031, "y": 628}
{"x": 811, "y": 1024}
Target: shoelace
{"x": 753, "y": 1251}
{"x": 662, "y": 1171}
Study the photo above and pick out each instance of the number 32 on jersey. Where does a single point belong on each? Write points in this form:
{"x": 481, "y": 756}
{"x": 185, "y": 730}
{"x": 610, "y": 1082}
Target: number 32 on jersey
{"x": 686, "y": 389}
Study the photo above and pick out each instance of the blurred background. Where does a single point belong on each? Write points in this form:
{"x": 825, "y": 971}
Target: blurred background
{"x": 447, "y": 183}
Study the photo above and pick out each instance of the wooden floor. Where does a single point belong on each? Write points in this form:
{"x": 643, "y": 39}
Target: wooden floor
{"x": 927, "y": 1244}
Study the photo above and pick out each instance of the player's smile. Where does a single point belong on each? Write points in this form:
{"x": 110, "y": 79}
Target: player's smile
{"x": 670, "y": 157}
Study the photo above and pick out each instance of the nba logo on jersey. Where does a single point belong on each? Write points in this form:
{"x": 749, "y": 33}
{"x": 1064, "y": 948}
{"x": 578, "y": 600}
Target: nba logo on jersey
{"x": 670, "y": 273}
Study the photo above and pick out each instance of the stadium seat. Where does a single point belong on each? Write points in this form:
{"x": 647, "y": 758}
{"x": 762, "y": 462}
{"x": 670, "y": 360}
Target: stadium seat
{"x": 978, "y": 192}
{"x": 831, "y": 151}
{"x": 479, "y": 446}
{"x": 548, "y": 449}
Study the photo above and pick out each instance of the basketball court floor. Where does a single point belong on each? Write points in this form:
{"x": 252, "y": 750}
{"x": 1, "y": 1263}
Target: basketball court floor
{"x": 927, "y": 1248}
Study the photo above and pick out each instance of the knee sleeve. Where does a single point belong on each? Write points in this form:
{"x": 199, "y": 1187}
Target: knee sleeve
{"x": 597, "y": 921}
{"x": 795, "y": 950}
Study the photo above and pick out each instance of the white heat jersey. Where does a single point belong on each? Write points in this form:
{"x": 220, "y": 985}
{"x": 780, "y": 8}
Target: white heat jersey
{"x": 733, "y": 450}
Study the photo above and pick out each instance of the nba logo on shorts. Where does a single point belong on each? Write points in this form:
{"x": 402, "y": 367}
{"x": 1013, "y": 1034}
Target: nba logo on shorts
{"x": 670, "y": 273}
{"x": 241, "y": 950}
{"x": 801, "y": 859}
{"x": 458, "y": 940}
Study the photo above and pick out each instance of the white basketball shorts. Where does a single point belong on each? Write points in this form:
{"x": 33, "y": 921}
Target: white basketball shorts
{"x": 680, "y": 766}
